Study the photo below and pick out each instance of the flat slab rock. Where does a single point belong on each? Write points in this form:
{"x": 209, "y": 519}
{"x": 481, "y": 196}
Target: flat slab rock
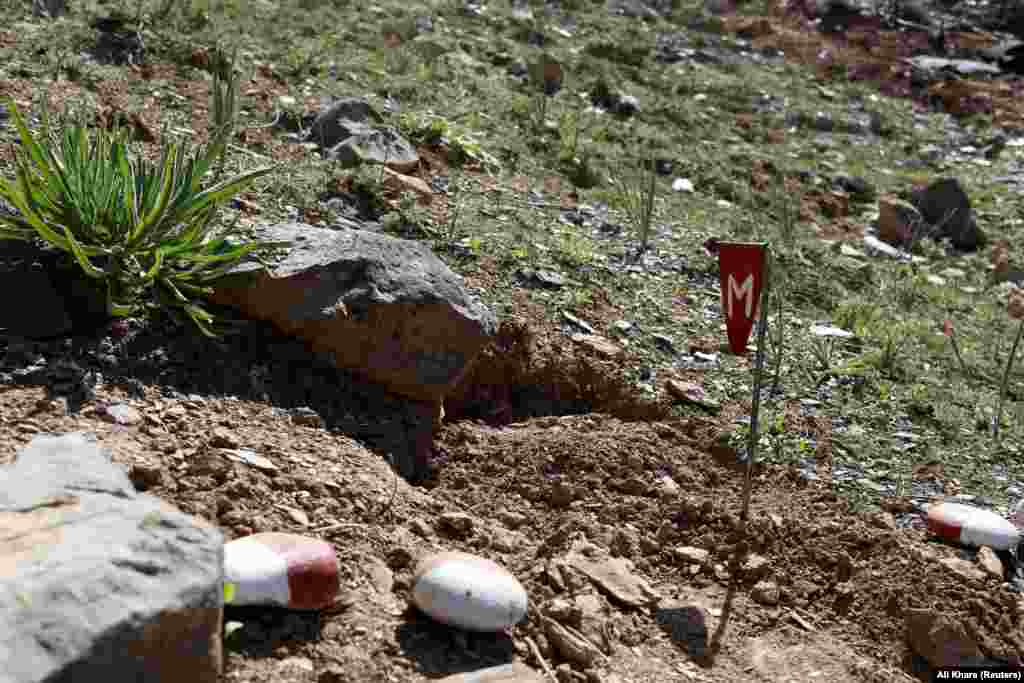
{"x": 615, "y": 577}
{"x": 98, "y": 582}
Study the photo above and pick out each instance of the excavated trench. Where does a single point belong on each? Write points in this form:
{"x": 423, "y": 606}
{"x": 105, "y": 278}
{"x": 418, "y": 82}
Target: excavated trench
{"x": 517, "y": 377}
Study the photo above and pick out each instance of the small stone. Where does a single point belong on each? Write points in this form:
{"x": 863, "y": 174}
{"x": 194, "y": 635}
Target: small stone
{"x": 381, "y": 577}
{"x": 963, "y": 568}
{"x": 420, "y": 527}
{"x": 883, "y": 520}
{"x": 122, "y": 414}
{"x": 223, "y": 438}
{"x": 145, "y": 477}
{"x": 562, "y": 610}
{"x": 460, "y": 523}
{"x": 682, "y": 185}
{"x": 598, "y": 345}
{"x": 757, "y": 567}
{"x": 562, "y": 494}
{"x": 301, "y": 663}
{"x": 692, "y": 555}
{"x": 406, "y": 183}
{"x": 571, "y": 644}
{"x": 511, "y": 519}
{"x": 766, "y": 593}
{"x": 990, "y": 562}
{"x": 667, "y": 487}
{"x": 690, "y": 392}
{"x": 297, "y": 516}
{"x": 504, "y": 541}
{"x": 306, "y": 417}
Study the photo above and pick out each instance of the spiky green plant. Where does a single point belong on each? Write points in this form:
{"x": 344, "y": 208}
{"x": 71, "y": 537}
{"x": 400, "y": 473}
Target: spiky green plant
{"x": 636, "y": 193}
{"x": 145, "y": 230}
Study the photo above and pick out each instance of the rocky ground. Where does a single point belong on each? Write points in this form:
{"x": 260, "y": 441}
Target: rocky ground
{"x": 625, "y": 531}
{"x": 569, "y": 465}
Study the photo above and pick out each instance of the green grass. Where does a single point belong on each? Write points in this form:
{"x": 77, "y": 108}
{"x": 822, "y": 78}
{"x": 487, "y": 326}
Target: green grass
{"x": 459, "y": 91}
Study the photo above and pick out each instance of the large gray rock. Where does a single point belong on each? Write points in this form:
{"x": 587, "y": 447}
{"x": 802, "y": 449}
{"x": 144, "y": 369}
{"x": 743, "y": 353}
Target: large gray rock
{"x": 945, "y": 206}
{"x": 98, "y": 582}
{"x": 350, "y": 131}
{"x": 385, "y": 308}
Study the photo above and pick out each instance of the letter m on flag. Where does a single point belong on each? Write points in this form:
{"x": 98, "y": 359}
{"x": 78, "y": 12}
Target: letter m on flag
{"x": 742, "y": 273}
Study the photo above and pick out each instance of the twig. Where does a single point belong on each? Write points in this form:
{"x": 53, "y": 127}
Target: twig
{"x": 1006, "y": 378}
{"x": 956, "y": 350}
{"x": 335, "y": 527}
{"x": 543, "y": 662}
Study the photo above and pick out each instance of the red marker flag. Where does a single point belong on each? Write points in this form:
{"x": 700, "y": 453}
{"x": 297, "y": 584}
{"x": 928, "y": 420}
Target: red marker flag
{"x": 742, "y": 274}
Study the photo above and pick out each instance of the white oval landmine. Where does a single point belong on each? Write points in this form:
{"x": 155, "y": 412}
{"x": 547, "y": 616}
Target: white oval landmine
{"x": 469, "y": 592}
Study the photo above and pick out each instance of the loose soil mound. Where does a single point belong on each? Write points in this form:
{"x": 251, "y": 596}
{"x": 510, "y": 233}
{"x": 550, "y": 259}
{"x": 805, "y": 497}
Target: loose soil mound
{"x": 534, "y": 491}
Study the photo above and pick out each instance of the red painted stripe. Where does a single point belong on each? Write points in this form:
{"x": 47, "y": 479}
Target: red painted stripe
{"x": 948, "y": 530}
{"x": 313, "y": 577}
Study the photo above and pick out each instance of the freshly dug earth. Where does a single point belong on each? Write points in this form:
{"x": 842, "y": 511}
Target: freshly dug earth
{"x": 818, "y": 590}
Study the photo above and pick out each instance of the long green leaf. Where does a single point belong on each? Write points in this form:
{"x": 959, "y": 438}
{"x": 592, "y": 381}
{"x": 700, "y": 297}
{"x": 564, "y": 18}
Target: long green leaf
{"x": 83, "y": 260}
{"x": 163, "y": 197}
{"x": 158, "y": 262}
{"x": 228, "y": 188}
{"x": 28, "y": 212}
{"x": 33, "y": 148}
{"x": 202, "y": 320}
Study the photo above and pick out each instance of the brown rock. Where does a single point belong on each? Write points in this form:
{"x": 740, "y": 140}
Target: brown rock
{"x": 420, "y": 527}
{"x": 690, "y": 392}
{"x": 766, "y": 593}
{"x": 562, "y": 610}
{"x": 409, "y": 183}
{"x": 989, "y": 562}
{"x": 883, "y": 520}
{"x": 592, "y": 620}
{"x": 963, "y": 568}
{"x": 692, "y": 555}
{"x": 145, "y": 477}
{"x": 896, "y": 220}
{"x": 941, "y": 640}
{"x": 458, "y": 523}
{"x": 562, "y": 494}
{"x": 571, "y": 644}
{"x": 757, "y": 567}
{"x": 381, "y": 577}
{"x": 512, "y": 519}
{"x": 615, "y": 577}
{"x": 223, "y": 438}
{"x": 598, "y": 345}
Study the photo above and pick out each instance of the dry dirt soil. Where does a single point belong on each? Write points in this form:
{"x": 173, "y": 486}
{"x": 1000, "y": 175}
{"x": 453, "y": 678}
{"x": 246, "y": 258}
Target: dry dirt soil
{"x": 537, "y": 496}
